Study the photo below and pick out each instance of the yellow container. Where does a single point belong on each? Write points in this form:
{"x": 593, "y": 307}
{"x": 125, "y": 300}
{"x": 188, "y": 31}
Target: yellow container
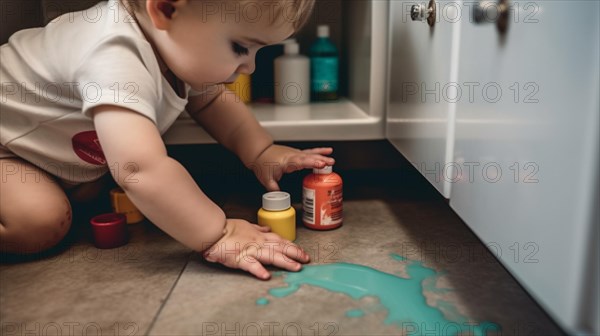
{"x": 242, "y": 88}
{"x": 278, "y": 214}
{"x": 122, "y": 204}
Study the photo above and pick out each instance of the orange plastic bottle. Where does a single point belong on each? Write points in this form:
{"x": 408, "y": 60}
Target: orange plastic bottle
{"x": 322, "y": 200}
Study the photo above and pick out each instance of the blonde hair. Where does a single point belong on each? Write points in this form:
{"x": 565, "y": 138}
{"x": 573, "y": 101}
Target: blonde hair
{"x": 295, "y": 11}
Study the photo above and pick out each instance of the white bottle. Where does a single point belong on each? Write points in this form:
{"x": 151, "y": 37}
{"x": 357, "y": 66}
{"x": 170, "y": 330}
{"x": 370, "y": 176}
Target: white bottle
{"x": 292, "y": 76}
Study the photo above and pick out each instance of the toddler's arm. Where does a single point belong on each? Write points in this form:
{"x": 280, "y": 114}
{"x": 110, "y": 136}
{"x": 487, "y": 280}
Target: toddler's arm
{"x": 232, "y": 124}
{"x": 165, "y": 192}
{"x": 159, "y": 186}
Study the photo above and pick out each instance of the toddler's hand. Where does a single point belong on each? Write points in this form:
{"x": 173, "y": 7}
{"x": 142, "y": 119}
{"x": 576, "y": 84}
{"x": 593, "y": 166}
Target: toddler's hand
{"x": 248, "y": 246}
{"x": 277, "y": 160}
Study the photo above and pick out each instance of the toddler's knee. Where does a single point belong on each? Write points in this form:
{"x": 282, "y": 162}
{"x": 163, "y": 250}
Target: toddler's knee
{"x": 54, "y": 221}
{"x": 40, "y": 228}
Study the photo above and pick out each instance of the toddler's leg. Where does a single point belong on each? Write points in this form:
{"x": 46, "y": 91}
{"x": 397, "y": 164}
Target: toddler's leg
{"x": 35, "y": 213}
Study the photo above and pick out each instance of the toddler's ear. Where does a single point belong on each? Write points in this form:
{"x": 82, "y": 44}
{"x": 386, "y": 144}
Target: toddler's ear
{"x": 166, "y": 8}
{"x": 161, "y": 12}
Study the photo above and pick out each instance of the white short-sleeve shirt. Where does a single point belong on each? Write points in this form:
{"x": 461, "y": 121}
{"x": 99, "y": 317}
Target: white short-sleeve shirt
{"x": 52, "y": 77}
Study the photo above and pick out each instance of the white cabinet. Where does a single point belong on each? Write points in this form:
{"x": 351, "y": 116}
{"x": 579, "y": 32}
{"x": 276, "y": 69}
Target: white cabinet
{"x": 506, "y": 126}
{"x": 423, "y": 69}
{"x": 526, "y": 147}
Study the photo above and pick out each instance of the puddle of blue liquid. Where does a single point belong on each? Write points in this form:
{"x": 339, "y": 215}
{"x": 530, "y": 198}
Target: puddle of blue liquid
{"x": 262, "y": 301}
{"x": 355, "y": 313}
{"x": 402, "y": 297}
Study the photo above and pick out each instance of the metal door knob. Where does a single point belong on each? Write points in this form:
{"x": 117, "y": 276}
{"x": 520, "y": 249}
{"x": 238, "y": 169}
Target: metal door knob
{"x": 422, "y": 12}
{"x": 492, "y": 12}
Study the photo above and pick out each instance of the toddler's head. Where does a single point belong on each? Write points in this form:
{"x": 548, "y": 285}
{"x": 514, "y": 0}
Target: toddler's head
{"x": 212, "y": 41}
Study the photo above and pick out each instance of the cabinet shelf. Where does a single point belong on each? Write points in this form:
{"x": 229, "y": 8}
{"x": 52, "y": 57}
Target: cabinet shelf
{"x": 339, "y": 120}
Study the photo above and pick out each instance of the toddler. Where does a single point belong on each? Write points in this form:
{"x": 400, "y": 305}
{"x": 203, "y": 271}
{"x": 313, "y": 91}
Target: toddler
{"x": 92, "y": 93}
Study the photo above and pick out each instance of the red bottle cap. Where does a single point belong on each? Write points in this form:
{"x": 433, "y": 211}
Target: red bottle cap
{"x": 109, "y": 230}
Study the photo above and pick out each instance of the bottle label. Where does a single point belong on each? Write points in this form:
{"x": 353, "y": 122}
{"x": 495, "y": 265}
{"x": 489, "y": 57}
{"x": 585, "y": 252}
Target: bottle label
{"x": 324, "y": 74}
{"x": 308, "y": 204}
{"x": 322, "y": 206}
{"x": 331, "y": 209}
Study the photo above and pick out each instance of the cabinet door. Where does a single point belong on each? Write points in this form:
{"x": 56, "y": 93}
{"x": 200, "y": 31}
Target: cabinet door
{"x": 420, "y": 111}
{"x": 526, "y": 150}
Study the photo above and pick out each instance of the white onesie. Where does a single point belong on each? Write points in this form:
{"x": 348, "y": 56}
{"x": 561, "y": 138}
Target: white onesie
{"x": 52, "y": 77}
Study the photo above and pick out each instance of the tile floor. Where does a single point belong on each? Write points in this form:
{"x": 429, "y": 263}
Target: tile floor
{"x": 156, "y": 286}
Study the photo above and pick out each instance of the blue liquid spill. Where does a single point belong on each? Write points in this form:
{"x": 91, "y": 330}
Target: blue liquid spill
{"x": 262, "y": 301}
{"x": 398, "y": 257}
{"x": 355, "y": 313}
{"x": 403, "y": 298}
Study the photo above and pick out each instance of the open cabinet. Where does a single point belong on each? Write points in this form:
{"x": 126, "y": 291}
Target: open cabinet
{"x": 423, "y": 69}
{"x": 360, "y": 29}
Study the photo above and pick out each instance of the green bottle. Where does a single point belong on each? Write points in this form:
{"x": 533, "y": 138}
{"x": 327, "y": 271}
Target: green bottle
{"x": 323, "y": 67}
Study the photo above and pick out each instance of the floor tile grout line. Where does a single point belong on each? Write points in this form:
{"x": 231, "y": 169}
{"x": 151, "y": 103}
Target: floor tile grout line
{"x": 160, "y": 309}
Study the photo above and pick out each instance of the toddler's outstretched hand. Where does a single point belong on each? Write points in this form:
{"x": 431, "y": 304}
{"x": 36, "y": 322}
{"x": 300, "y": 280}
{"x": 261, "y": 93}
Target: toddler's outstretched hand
{"x": 248, "y": 246}
{"x": 277, "y": 160}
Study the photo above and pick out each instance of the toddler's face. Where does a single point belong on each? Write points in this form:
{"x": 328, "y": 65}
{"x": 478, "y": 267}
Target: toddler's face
{"x": 210, "y": 45}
